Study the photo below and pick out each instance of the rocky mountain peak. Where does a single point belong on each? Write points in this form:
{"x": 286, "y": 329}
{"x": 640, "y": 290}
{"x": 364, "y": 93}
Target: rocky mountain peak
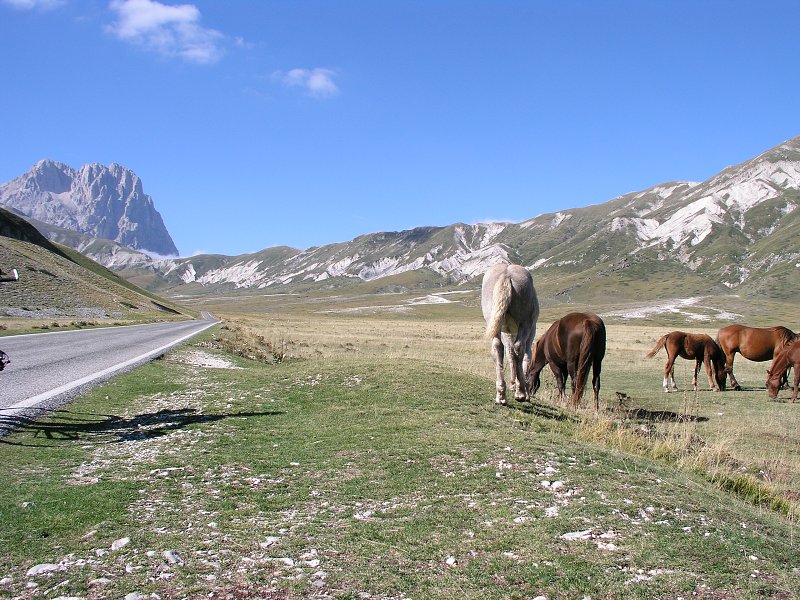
{"x": 103, "y": 202}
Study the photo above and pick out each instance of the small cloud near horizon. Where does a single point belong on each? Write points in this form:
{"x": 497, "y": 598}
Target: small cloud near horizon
{"x": 316, "y": 82}
{"x": 169, "y": 30}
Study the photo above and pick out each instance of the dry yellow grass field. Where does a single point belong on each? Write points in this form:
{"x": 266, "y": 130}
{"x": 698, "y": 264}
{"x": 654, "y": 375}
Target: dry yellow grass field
{"x": 741, "y": 438}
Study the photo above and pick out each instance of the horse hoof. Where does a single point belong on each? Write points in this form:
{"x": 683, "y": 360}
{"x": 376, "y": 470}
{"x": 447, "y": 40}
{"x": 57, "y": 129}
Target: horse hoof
{"x": 737, "y": 388}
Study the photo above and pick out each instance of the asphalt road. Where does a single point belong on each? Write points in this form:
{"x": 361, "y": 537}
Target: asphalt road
{"x": 49, "y": 369}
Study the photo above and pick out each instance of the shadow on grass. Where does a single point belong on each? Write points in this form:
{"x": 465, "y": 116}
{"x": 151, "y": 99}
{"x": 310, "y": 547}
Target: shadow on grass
{"x": 646, "y": 415}
{"x": 546, "y": 411}
{"x": 65, "y": 425}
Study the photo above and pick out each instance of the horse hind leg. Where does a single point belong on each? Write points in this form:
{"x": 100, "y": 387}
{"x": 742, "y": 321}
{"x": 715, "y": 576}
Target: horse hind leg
{"x": 596, "y": 385}
{"x": 729, "y": 368}
{"x": 516, "y": 361}
{"x": 497, "y": 355}
{"x": 669, "y": 376}
{"x": 709, "y": 372}
{"x": 523, "y": 357}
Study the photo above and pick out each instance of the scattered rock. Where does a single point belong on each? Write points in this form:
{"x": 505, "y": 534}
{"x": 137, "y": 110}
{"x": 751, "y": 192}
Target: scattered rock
{"x": 5, "y": 580}
{"x": 577, "y": 535}
{"x": 42, "y": 569}
{"x": 99, "y": 581}
{"x": 284, "y": 560}
{"x": 120, "y": 543}
{"x": 172, "y": 557}
{"x": 606, "y": 546}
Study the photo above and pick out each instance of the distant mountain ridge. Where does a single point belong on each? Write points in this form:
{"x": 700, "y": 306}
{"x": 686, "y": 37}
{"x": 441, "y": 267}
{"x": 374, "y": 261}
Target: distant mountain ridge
{"x": 102, "y": 202}
{"x": 736, "y": 232}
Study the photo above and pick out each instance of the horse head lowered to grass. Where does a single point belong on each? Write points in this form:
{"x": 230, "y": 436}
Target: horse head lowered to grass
{"x": 776, "y": 375}
{"x": 754, "y": 343}
{"x": 511, "y": 309}
{"x": 571, "y": 346}
{"x": 692, "y": 346}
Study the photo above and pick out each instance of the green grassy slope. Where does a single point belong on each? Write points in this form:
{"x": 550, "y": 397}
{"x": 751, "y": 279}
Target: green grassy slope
{"x": 59, "y": 283}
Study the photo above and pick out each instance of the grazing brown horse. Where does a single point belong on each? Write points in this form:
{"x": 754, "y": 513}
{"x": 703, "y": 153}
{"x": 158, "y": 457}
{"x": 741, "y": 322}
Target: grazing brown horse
{"x": 788, "y": 357}
{"x": 511, "y": 309}
{"x": 692, "y": 346}
{"x": 573, "y": 345}
{"x": 754, "y": 343}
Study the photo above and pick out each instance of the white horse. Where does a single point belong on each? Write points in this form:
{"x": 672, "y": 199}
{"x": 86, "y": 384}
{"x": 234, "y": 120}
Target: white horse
{"x": 511, "y": 309}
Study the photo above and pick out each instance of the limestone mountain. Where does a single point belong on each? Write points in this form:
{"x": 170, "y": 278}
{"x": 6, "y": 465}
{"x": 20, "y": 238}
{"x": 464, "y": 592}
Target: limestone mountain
{"x": 735, "y": 233}
{"x": 103, "y": 202}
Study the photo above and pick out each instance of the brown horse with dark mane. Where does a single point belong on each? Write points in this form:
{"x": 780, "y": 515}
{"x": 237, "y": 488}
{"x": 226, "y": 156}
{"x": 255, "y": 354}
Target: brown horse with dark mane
{"x": 754, "y": 343}
{"x": 788, "y": 357}
{"x": 692, "y": 346}
{"x": 573, "y": 345}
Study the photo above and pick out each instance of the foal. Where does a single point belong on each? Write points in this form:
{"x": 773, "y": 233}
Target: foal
{"x": 693, "y": 346}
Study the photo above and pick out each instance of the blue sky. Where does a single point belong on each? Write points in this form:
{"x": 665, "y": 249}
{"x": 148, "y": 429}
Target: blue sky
{"x": 261, "y": 123}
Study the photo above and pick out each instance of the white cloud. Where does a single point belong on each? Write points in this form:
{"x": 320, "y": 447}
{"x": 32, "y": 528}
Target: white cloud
{"x": 316, "y": 82}
{"x": 33, "y": 4}
{"x": 170, "y": 30}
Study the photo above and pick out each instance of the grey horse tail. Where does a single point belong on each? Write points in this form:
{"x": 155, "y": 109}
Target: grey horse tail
{"x": 501, "y": 300}
{"x": 584, "y": 360}
{"x": 659, "y": 345}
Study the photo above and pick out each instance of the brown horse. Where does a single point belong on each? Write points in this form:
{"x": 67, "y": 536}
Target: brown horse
{"x": 788, "y": 357}
{"x": 573, "y": 344}
{"x": 697, "y": 346}
{"x": 754, "y": 343}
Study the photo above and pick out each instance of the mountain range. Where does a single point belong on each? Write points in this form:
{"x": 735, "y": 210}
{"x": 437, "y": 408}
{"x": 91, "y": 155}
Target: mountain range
{"x": 736, "y": 232}
{"x": 101, "y": 202}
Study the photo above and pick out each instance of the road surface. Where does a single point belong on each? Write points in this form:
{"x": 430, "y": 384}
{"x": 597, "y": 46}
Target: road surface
{"x": 49, "y": 369}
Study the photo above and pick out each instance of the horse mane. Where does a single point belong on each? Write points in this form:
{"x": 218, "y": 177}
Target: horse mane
{"x": 781, "y": 362}
{"x": 788, "y": 336}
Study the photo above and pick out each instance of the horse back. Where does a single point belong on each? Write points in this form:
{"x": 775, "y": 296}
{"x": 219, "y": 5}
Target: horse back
{"x": 577, "y": 329}
{"x": 524, "y": 305}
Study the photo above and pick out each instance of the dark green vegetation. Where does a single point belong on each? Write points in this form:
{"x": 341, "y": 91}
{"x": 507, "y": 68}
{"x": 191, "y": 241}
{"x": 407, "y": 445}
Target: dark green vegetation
{"x": 59, "y": 285}
{"x": 366, "y": 473}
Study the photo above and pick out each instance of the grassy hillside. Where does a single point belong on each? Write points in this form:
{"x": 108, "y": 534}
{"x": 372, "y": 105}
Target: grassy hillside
{"x": 59, "y": 285}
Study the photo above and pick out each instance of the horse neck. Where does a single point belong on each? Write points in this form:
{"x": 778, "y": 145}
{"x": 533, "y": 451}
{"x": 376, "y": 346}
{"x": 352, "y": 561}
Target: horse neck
{"x": 780, "y": 363}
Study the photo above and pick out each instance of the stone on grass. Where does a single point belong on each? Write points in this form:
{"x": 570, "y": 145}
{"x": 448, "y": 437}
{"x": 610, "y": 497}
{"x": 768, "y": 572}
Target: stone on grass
{"x": 42, "y": 569}
{"x": 172, "y": 557}
{"x": 120, "y": 543}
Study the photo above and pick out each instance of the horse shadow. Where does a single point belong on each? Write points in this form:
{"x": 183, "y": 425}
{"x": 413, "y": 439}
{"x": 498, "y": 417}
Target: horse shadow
{"x": 639, "y": 415}
{"x": 69, "y": 426}
{"x": 645, "y": 415}
{"x": 546, "y": 411}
